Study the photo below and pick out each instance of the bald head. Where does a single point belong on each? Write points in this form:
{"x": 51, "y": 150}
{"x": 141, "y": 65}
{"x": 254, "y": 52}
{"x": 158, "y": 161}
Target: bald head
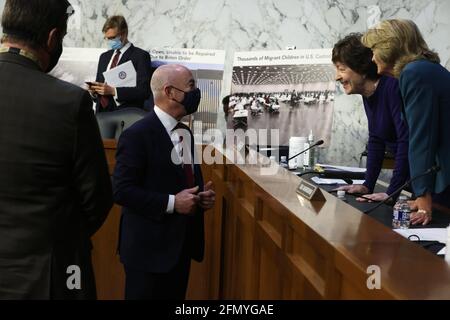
{"x": 170, "y": 83}
{"x": 167, "y": 75}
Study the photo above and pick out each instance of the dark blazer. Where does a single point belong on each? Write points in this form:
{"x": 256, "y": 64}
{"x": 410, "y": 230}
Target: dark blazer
{"x": 55, "y": 190}
{"x": 150, "y": 239}
{"x": 128, "y": 97}
{"x": 425, "y": 88}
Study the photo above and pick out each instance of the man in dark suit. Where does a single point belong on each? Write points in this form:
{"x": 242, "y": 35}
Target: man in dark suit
{"x": 159, "y": 187}
{"x": 55, "y": 190}
{"x": 108, "y": 97}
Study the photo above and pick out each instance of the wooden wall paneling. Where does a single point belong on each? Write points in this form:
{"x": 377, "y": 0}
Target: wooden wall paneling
{"x": 263, "y": 243}
{"x": 108, "y": 270}
{"x": 228, "y": 241}
{"x": 216, "y": 248}
{"x": 245, "y": 242}
{"x": 354, "y": 281}
{"x": 269, "y": 243}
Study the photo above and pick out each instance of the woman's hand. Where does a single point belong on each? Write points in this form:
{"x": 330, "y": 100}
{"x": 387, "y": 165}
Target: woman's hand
{"x": 375, "y": 197}
{"x": 354, "y": 189}
{"x": 424, "y": 208}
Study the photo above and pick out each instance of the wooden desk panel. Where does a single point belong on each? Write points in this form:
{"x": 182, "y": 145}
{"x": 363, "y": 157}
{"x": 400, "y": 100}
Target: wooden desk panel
{"x": 263, "y": 241}
{"x": 109, "y": 272}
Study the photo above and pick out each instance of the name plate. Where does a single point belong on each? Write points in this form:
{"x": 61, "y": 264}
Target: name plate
{"x": 310, "y": 191}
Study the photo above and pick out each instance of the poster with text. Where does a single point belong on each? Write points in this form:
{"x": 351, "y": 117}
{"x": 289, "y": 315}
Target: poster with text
{"x": 292, "y": 91}
{"x": 207, "y": 67}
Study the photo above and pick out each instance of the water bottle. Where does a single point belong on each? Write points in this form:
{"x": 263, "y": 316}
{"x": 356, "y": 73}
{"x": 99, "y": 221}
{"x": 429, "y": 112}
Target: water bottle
{"x": 306, "y": 157}
{"x": 402, "y": 214}
{"x": 284, "y": 162}
{"x": 447, "y": 249}
{"x": 309, "y": 155}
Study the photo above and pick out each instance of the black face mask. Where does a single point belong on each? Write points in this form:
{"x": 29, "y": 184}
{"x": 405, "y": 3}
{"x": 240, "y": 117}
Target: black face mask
{"x": 191, "y": 100}
{"x": 54, "y": 57}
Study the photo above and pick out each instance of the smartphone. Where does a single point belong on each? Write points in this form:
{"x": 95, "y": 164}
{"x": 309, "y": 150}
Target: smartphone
{"x": 90, "y": 84}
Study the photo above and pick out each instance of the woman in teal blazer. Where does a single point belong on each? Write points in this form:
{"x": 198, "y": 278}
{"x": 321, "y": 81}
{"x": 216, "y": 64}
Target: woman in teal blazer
{"x": 400, "y": 50}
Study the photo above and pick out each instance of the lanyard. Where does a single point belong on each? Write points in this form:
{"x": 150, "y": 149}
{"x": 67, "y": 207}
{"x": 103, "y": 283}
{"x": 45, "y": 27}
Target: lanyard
{"x": 20, "y": 52}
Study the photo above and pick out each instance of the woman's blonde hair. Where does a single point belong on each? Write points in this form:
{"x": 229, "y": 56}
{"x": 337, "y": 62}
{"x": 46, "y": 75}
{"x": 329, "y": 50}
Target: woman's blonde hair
{"x": 398, "y": 42}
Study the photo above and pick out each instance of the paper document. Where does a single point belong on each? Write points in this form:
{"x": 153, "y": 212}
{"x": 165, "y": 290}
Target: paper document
{"x": 341, "y": 168}
{"x": 122, "y": 76}
{"x": 427, "y": 234}
{"x": 321, "y": 181}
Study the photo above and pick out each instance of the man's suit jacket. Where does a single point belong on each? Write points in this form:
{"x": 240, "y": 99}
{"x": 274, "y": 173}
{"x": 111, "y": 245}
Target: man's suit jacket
{"x": 55, "y": 190}
{"x": 150, "y": 239}
{"x": 128, "y": 97}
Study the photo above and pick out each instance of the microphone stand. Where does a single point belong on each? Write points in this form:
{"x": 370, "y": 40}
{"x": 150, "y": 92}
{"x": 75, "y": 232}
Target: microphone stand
{"x": 319, "y": 143}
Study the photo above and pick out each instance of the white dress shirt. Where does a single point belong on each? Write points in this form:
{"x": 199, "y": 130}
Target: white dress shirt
{"x": 122, "y": 52}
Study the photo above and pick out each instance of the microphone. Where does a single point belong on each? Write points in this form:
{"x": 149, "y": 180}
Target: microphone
{"x": 432, "y": 170}
{"x": 318, "y": 143}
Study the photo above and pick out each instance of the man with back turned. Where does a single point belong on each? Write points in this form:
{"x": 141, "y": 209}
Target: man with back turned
{"x": 55, "y": 190}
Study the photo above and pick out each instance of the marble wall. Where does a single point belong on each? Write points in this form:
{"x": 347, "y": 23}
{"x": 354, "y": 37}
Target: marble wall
{"x": 243, "y": 25}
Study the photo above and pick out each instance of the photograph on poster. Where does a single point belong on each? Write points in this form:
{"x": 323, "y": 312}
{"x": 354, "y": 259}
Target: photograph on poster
{"x": 207, "y": 67}
{"x": 293, "y": 91}
{"x": 78, "y": 65}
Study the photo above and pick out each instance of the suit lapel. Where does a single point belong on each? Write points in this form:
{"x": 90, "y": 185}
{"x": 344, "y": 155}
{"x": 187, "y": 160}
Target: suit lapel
{"x": 104, "y": 61}
{"x": 127, "y": 55}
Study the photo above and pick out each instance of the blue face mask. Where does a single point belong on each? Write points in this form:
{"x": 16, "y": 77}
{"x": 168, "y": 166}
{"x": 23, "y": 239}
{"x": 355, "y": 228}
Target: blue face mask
{"x": 115, "y": 44}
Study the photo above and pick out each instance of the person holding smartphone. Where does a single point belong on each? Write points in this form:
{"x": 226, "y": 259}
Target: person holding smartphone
{"x": 109, "y": 98}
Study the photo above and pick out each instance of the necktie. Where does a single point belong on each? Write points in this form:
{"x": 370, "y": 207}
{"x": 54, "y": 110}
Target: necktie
{"x": 104, "y": 100}
{"x": 187, "y": 168}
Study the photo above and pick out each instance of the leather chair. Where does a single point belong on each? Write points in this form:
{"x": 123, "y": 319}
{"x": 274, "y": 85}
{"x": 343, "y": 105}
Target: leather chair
{"x": 112, "y": 124}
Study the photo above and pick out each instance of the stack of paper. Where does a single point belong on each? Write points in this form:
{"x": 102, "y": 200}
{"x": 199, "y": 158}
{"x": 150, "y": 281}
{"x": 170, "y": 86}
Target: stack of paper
{"x": 341, "y": 168}
{"x": 321, "y": 181}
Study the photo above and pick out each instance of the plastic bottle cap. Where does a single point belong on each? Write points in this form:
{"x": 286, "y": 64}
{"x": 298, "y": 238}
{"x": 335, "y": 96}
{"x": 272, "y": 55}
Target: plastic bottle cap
{"x": 341, "y": 194}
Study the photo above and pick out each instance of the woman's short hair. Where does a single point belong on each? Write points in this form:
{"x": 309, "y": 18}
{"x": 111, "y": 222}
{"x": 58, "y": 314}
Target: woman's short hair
{"x": 351, "y": 52}
{"x": 118, "y": 22}
{"x": 398, "y": 42}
